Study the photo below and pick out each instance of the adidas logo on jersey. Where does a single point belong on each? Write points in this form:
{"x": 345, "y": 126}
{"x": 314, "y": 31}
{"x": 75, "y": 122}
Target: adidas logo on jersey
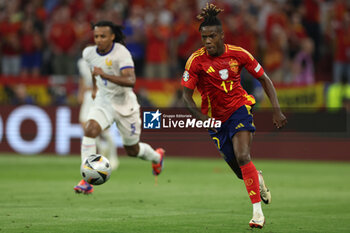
{"x": 210, "y": 70}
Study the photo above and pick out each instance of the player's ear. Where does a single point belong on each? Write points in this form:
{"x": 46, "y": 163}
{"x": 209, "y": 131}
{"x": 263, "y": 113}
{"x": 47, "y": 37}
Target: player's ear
{"x": 220, "y": 31}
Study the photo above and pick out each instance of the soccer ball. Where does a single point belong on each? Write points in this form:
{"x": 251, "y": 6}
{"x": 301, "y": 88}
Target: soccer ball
{"x": 95, "y": 169}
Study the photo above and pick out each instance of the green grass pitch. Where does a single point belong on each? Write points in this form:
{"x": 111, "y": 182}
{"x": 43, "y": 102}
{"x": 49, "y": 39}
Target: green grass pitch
{"x": 192, "y": 195}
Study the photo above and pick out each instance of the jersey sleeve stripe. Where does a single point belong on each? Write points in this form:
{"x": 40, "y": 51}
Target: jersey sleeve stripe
{"x": 235, "y": 48}
{"x": 126, "y": 67}
{"x": 192, "y": 57}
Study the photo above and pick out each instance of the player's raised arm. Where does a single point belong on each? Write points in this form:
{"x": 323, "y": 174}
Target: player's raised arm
{"x": 279, "y": 120}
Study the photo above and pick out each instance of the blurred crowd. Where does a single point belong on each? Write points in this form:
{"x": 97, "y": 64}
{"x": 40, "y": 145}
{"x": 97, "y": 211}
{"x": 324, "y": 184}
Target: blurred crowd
{"x": 298, "y": 42}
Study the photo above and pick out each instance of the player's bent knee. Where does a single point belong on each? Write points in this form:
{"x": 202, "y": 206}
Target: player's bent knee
{"x": 132, "y": 151}
{"x": 92, "y": 129}
{"x": 243, "y": 160}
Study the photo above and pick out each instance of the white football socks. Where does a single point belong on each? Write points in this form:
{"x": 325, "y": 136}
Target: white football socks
{"x": 106, "y": 145}
{"x": 88, "y": 147}
{"x": 108, "y": 148}
{"x": 146, "y": 152}
{"x": 257, "y": 209}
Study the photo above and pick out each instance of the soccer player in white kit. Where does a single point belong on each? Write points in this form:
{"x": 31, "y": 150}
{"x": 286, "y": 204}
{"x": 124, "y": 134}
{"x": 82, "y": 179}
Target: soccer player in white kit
{"x": 114, "y": 100}
{"x": 105, "y": 144}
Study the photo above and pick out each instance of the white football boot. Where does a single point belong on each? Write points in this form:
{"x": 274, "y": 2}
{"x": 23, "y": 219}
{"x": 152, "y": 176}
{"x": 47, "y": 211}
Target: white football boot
{"x": 257, "y": 221}
{"x": 265, "y": 193}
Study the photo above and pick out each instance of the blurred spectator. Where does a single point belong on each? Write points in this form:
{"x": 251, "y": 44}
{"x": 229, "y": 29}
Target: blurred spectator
{"x": 118, "y": 10}
{"x": 296, "y": 33}
{"x": 276, "y": 18}
{"x": 185, "y": 38}
{"x": 50, "y": 5}
{"x": 34, "y": 11}
{"x": 341, "y": 27}
{"x": 10, "y": 24}
{"x": 303, "y": 66}
{"x": 134, "y": 30}
{"x": 241, "y": 31}
{"x": 312, "y": 25}
{"x": 275, "y": 49}
{"x": 21, "y": 96}
{"x": 275, "y": 55}
{"x": 88, "y": 8}
{"x": 232, "y": 27}
{"x": 62, "y": 40}
{"x": 31, "y": 43}
{"x": 157, "y": 47}
{"x": 83, "y": 30}
{"x": 264, "y": 11}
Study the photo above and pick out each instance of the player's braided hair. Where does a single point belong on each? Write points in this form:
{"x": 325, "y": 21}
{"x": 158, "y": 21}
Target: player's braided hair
{"x": 116, "y": 30}
{"x": 209, "y": 14}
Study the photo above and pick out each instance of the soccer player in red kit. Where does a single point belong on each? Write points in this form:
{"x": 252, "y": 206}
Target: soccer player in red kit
{"x": 215, "y": 71}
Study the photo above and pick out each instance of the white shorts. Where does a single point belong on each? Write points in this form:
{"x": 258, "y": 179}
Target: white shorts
{"x": 129, "y": 126}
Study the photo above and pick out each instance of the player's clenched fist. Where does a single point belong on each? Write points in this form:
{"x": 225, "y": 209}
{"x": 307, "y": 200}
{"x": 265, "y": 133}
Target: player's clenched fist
{"x": 97, "y": 71}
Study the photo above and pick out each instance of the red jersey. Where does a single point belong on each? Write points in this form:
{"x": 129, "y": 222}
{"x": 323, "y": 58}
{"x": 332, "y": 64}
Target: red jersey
{"x": 218, "y": 80}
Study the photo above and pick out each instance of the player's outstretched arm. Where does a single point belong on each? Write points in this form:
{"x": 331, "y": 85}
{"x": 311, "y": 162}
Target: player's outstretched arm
{"x": 127, "y": 76}
{"x": 279, "y": 120}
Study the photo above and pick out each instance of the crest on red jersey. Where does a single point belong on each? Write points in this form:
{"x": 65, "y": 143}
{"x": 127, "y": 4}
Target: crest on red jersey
{"x": 234, "y": 65}
{"x": 223, "y": 74}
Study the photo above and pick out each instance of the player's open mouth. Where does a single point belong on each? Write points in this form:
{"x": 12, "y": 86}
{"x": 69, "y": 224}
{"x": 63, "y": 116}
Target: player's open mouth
{"x": 210, "y": 48}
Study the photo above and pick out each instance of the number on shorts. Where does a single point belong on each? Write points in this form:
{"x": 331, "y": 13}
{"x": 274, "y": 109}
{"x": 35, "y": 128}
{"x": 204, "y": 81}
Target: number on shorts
{"x": 133, "y": 128}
